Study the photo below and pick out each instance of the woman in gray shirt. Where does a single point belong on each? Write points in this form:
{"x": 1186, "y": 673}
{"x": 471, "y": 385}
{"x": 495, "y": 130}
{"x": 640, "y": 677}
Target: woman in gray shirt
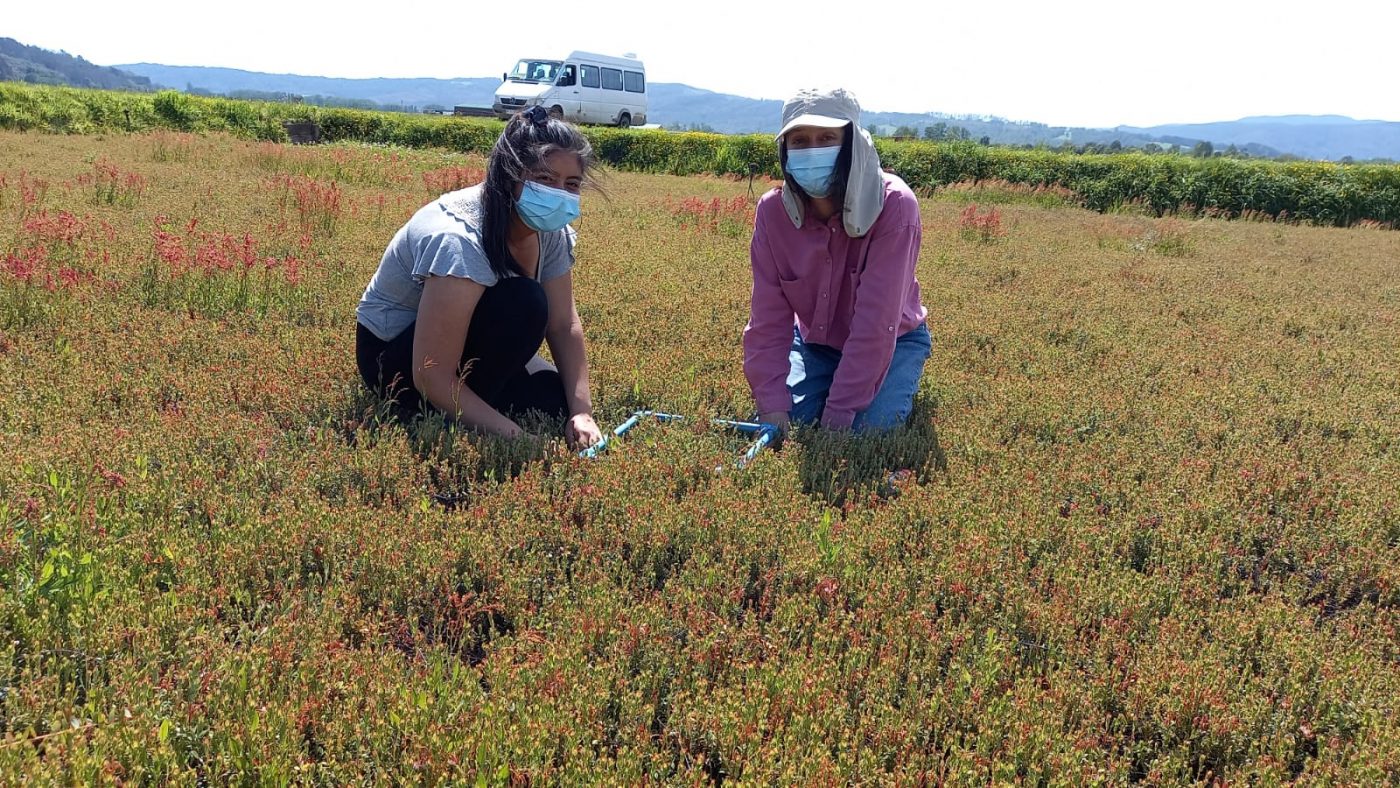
{"x": 476, "y": 281}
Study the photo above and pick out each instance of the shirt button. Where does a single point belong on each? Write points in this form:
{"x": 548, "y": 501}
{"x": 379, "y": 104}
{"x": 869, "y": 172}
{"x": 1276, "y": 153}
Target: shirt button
{"x": 889, "y": 329}
{"x": 821, "y": 328}
{"x": 833, "y": 230}
{"x": 823, "y": 295}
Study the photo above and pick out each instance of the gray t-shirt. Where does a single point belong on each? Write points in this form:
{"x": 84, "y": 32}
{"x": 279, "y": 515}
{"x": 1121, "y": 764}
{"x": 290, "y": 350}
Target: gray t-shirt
{"x": 443, "y": 239}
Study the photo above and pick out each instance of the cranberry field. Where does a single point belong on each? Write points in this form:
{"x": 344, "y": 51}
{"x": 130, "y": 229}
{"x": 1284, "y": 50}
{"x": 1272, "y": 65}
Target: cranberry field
{"x": 1150, "y": 529}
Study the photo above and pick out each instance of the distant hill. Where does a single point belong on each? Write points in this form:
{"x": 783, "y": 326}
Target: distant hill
{"x": 23, "y": 63}
{"x": 672, "y": 104}
{"x": 1329, "y": 137}
{"x": 1309, "y": 136}
{"x": 1008, "y": 132}
{"x": 417, "y": 93}
{"x": 682, "y": 106}
{"x": 677, "y": 105}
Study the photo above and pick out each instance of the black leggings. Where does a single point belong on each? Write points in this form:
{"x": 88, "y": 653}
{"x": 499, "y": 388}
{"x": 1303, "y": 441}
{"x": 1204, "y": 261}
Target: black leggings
{"x": 506, "y": 331}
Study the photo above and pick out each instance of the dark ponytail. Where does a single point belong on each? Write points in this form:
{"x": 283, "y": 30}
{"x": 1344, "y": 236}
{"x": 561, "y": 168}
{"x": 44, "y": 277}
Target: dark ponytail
{"x": 529, "y": 137}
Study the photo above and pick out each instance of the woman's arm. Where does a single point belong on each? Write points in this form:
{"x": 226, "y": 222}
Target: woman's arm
{"x": 444, "y": 313}
{"x": 564, "y": 333}
{"x": 768, "y": 335}
{"x": 881, "y": 292}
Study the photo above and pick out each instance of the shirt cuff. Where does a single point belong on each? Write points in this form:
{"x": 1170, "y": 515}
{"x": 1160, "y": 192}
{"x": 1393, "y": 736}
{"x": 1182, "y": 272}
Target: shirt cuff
{"x": 834, "y": 419}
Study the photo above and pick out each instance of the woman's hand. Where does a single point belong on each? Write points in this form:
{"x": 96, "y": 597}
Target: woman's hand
{"x": 582, "y": 431}
{"x": 779, "y": 419}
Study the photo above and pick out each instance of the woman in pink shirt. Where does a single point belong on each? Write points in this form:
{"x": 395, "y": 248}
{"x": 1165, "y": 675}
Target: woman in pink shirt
{"x": 836, "y": 331}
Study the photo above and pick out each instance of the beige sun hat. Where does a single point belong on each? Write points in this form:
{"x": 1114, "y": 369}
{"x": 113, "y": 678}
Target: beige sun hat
{"x": 827, "y": 109}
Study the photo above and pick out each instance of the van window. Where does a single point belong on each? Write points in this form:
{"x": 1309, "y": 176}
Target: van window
{"x": 612, "y": 79}
{"x": 535, "y": 71}
{"x": 636, "y": 83}
{"x": 566, "y": 77}
{"x": 588, "y": 76}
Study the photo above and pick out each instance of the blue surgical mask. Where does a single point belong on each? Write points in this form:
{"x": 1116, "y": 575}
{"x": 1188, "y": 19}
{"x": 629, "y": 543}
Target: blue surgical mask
{"x": 813, "y": 168}
{"x": 545, "y": 208}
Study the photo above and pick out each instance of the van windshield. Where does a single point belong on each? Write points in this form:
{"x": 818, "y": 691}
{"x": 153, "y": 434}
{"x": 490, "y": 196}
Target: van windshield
{"x": 536, "y": 71}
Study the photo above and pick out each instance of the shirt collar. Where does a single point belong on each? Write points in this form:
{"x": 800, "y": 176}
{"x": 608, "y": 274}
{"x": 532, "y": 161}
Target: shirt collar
{"x": 814, "y": 223}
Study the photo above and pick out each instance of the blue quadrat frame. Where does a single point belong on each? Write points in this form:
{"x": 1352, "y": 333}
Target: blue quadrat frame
{"x": 764, "y": 434}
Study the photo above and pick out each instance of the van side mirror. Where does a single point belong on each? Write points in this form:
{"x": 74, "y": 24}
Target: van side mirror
{"x": 503, "y": 76}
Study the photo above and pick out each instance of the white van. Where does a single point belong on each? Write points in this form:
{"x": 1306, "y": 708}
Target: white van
{"x": 582, "y": 88}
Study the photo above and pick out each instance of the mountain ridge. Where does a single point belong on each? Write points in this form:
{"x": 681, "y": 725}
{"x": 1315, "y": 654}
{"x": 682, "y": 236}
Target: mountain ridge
{"x": 679, "y": 105}
{"x": 36, "y": 65}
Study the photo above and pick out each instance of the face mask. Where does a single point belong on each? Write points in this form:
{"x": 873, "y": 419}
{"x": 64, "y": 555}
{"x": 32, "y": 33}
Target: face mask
{"x": 545, "y": 208}
{"x": 813, "y": 168}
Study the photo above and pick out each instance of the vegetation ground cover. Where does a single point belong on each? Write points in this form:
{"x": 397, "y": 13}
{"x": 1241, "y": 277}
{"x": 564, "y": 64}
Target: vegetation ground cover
{"x": 1151, "y": 532}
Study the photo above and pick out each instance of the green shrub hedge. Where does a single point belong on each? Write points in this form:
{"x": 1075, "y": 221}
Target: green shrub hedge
{"x": 1316, "y": 192}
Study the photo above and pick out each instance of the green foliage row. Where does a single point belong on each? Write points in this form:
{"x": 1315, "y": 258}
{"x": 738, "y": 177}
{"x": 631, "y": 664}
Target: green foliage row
{"x": 1313, "y": 192}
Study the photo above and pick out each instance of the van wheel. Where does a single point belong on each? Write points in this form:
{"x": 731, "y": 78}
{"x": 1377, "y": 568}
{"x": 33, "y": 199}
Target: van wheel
{"x": 556, "y": 112}
{"x": 624, "y": 120}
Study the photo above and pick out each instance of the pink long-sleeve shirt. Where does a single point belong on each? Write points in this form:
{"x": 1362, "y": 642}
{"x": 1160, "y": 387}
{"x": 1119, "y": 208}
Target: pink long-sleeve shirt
{"x": 857, "y": 295}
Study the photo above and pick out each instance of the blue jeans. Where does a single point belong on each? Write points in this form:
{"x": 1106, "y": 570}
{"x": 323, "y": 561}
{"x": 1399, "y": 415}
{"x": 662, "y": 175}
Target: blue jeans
{"x": 813, "y": 367}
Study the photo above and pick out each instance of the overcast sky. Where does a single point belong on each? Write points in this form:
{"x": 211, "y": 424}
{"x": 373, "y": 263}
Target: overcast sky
{"x": 1078, "y": 63}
